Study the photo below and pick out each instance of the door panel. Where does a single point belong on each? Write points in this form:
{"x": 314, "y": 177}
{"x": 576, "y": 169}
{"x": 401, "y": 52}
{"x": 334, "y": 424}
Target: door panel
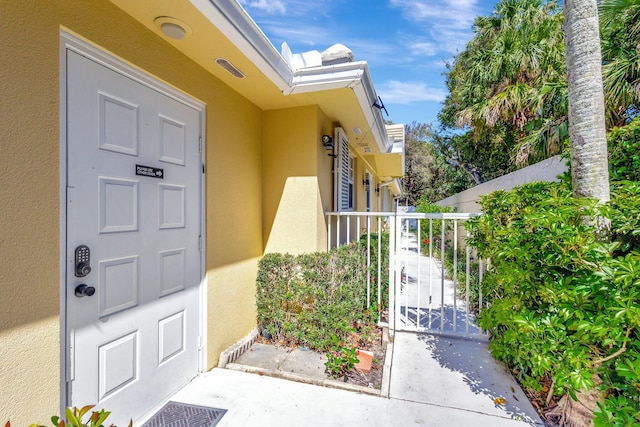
{"x": 134, "y": 179}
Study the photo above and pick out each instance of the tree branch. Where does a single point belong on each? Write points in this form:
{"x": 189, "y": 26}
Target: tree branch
{"x": 617, "y": 353}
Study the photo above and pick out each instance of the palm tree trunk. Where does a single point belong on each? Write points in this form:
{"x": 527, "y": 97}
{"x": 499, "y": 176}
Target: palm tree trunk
{"x": 587, "y": 131}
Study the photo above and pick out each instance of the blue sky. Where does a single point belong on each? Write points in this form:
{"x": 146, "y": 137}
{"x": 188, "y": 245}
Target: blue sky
{"x": 405, "y": 42}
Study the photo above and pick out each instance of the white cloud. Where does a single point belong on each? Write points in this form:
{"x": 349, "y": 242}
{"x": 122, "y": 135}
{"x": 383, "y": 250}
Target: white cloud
{"x": 320, "y": 37}
{"x": 397, "y": 92}
{"x": 302, "y": 33}
{"x": 289, "y": 7}
{"x": 447, "y": 24}
{"x": 269, "y": 6}
{"x": 422, "y": 48}
{"x": 450, "y": 13}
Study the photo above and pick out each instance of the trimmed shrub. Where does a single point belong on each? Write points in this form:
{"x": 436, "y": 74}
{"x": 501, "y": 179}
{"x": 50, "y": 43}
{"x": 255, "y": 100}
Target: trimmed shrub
{"x": 308, "y": 299}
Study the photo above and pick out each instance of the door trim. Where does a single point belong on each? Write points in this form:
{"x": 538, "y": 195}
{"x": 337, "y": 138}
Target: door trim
{"x": 70, "y": 41}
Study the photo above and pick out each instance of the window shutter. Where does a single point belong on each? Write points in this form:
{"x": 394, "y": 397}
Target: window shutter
{"x": 342, "y": 171}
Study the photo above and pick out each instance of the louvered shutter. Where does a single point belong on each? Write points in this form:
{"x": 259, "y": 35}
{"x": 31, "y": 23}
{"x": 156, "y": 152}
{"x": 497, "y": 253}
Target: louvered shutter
{"x": 342, "y": 171}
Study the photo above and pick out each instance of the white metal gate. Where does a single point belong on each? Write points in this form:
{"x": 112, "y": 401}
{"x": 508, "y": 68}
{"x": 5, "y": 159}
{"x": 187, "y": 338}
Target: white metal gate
{"x": 433, "y": 275}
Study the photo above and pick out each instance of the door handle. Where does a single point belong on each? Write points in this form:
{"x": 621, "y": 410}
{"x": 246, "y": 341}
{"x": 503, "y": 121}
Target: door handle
{"x": 83, "y": 290}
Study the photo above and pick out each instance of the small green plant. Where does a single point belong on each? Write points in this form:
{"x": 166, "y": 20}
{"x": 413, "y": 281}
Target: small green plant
{"x": 340, "y": 359}
{"x": 74, "y": 417}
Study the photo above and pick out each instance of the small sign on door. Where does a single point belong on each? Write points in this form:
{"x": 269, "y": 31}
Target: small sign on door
{"x": 149, "y": 171}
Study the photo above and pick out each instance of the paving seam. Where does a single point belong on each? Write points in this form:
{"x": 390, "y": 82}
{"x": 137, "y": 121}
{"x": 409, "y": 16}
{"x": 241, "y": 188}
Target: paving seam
{"x": 465, "y": 410}
{"x": 303, "y": 379}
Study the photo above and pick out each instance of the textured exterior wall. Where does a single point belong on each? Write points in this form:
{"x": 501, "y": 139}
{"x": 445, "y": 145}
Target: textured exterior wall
{"x": 290, "y": 183}
{"x": 467, "y": 201}
{"x": 30, "y": 319}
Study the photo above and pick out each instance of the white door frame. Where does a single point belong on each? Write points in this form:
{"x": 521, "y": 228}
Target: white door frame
{"x": 72, "y": 42}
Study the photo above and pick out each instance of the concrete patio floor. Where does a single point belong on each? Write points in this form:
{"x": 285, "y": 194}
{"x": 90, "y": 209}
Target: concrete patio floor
{"x": 433, "y": 381}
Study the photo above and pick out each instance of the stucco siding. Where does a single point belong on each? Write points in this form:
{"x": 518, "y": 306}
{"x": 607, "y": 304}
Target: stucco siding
{"x": 30, "y": 321}
{"x": 290, "y": 183}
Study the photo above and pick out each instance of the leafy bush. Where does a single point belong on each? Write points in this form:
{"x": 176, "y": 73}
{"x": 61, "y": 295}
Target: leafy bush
{"x": 310, "y": 298}
{"x": 425, "y": 206}
{"x": 75, "y": 417}
{"x": 563, "y": 304}
{"x": 624, "y": 152}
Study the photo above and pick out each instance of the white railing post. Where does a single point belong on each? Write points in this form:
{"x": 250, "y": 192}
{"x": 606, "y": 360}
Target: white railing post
{"x": 379, "y": 268}
{"x": 392, "y": 274}
{"x": 430, "y": 269}
{"x": 468, "y": 273}
{"x": 368, "y": 261}
{"x": 442, "y": 237}
{"x": 455, "y": 275}
{"x": 480, "y": 273}
{"x": 329, "y": 220}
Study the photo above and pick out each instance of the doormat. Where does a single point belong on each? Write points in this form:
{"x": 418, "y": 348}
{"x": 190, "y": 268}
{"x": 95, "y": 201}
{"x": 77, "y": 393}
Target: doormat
{"x": 175, "y": 414}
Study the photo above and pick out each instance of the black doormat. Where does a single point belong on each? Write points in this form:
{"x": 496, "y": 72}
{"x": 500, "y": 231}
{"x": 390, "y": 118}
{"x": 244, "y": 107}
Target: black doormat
{"x": 175, "y": 414}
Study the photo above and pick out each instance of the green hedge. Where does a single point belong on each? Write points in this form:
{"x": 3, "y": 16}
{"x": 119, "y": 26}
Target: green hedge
{"x": 307, "y": 299}
{"x": 624, "y": 152}
{"x": 563, "y": 305}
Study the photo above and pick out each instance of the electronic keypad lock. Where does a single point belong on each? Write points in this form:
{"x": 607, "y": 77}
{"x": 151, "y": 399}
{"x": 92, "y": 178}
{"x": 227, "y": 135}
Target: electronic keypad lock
{"x": 83, "y": 261}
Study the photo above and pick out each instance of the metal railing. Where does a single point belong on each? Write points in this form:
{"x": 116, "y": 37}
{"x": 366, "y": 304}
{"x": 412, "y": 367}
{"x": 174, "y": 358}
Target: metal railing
{"x": 430, "y": 274}
{"x": 347, "y": 227}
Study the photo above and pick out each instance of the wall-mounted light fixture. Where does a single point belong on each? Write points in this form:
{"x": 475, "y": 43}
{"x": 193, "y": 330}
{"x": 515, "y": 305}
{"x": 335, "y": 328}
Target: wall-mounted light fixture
{"x": 327, "y": 142}
{"x": 378, "y": 190}
{"x": 366, "y": 183}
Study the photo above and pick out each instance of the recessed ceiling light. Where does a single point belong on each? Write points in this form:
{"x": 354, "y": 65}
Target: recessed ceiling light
{"x": 224, "y": 63}
{"x": 357, "y": 131}
{"x": 172, "y": 27}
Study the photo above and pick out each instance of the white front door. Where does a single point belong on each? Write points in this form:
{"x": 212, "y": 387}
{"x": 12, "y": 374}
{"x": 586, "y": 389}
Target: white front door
{"x": 133, "y": 261}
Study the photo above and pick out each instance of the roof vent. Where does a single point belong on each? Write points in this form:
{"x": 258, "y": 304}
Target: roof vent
{"x": 232, "y": 69}
{"x": 337, "y": 54}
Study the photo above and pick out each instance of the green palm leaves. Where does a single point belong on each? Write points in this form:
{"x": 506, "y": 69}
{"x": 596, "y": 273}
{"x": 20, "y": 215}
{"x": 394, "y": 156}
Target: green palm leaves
{"x": 510, "y": 84}
{"x": 620, "y": 29}
{"x": 512, "y": 78}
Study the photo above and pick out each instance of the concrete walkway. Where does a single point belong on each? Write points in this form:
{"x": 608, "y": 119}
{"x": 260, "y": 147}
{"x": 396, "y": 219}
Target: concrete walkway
{"x": 428, "y": 379}
{"x": 434, "y": 381}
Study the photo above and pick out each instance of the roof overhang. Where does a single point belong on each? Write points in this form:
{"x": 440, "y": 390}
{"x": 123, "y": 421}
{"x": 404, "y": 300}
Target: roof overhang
{"x": 394, "y": 185}
{"x": 391, "y": 163}
{"x": 223, "y": 29}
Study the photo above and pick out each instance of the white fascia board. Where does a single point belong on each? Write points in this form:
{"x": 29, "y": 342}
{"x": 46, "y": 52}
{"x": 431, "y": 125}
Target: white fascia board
{"x": 373, "y": 114}
{"x": 316, "y": 79}
{"x": 234, "y": 22}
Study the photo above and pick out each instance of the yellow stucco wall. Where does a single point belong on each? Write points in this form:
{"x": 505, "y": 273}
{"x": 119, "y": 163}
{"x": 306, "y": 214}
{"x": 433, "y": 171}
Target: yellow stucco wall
{"x": 325, "y": 178}
{"x": 30, "y": 171}
{"x": 293, "y": 194}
